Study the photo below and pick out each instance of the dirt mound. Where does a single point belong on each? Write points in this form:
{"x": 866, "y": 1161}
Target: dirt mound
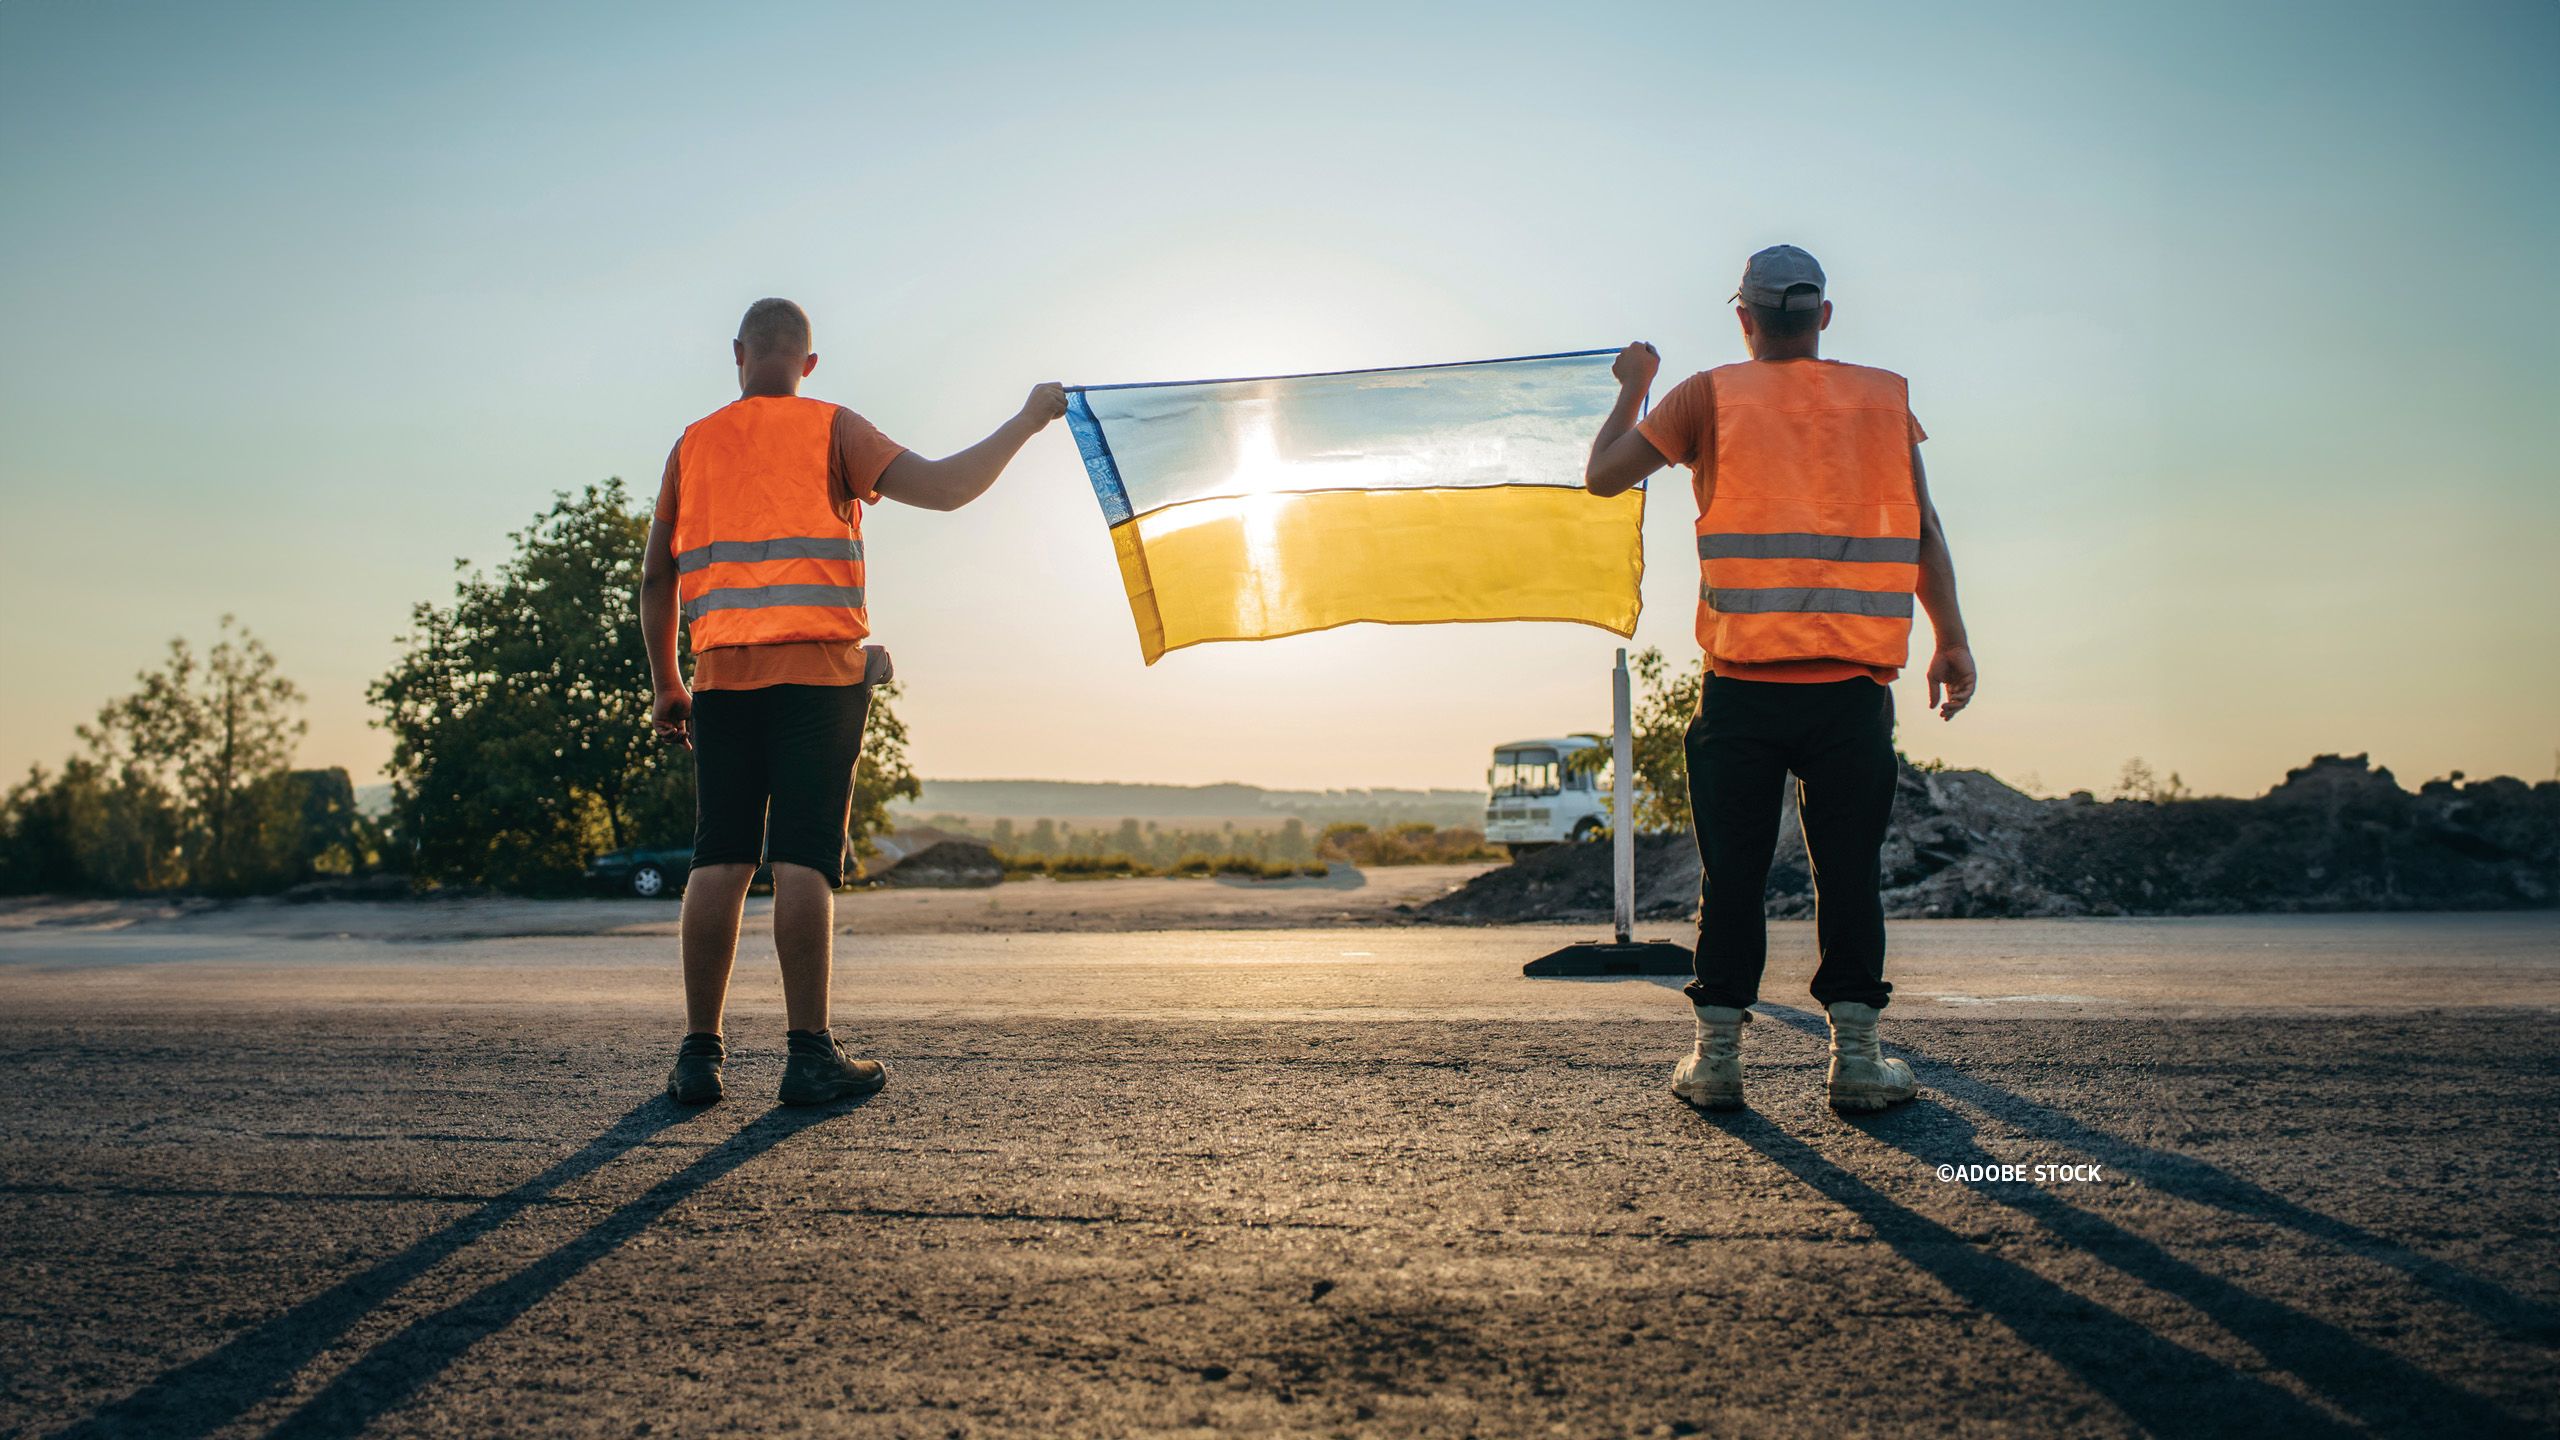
{"x": 953, "y": 864}
{"x": 2338, "y": 834}
{"x": 1572, "y": 882}
{"x": 1959, "y": 845}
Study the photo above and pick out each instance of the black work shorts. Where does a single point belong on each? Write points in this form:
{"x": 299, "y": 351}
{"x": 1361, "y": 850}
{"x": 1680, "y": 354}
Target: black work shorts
{"x": 773, "y": 774}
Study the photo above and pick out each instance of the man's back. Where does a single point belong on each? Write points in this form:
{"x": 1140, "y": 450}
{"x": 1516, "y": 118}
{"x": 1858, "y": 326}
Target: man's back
{"x": 1809, "y": 518}
{"x": 765, "y": 554}
{"x": 1822, "y": 429}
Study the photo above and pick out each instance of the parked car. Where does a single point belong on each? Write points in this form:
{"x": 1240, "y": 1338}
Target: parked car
{"x": 647, "y": 871}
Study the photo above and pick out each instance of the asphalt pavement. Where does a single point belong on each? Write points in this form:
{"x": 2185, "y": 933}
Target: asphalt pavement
{"x": 2287, "y": 1177}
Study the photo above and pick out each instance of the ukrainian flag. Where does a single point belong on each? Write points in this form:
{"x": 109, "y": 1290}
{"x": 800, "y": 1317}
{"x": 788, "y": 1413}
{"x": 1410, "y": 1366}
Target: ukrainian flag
{"x": 1256, "y": 508}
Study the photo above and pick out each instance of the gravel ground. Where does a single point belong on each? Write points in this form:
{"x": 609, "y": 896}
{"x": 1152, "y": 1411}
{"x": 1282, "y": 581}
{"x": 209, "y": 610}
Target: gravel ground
{"x": 1340, "y": 1182}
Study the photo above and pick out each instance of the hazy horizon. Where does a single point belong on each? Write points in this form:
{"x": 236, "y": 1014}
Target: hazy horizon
{"x": 2233, "y": 330}
{"x": 2105, "y": 790}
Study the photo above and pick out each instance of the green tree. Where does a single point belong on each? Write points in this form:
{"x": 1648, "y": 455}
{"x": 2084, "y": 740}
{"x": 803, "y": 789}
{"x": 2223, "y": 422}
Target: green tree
{"x": 1665, "y": 703}
{"x": 210, "y": 739}
{"x": 182, "y": 784}
{"x": 125, "y": 831}
{"x": 45, "y": 824}
{"x": 883, "y": 776}
{"x": 519, "y": 713}
{"x": 330, "y": 835}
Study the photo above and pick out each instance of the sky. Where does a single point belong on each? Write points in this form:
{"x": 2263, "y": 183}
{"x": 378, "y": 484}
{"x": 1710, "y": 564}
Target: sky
{"x": 2233, "y": 328}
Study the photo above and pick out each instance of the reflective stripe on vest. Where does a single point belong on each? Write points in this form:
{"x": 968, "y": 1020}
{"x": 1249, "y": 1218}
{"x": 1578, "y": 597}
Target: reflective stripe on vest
{"x": 1810, "y": 545}
{"x": 762, "y": 557}
{"x": 1892, "y": 549}
{"x": 769, "y": 597}
{"x": 747, "y": 552}
{"x": 1807, "y": 600}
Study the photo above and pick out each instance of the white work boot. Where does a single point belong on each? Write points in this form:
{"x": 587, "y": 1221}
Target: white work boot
{"x": 1863, "y": 1081}
{"x": 1710, "y": 1076}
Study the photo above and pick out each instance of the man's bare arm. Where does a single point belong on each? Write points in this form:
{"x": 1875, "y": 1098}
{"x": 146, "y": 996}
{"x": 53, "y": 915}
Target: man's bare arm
{"x": 1951, "y": 669}
{"x": 955, "y": 480}
{"x": 1620, "y": 455}
{"x": 671, "y": 705}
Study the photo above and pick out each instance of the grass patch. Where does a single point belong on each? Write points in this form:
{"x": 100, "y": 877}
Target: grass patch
{"x": 1413, "y": 844}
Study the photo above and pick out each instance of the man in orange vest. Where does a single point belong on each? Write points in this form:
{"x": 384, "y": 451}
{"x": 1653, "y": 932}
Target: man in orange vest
{"x": 757, "y": 546}
{"x": 1815, "y": 532}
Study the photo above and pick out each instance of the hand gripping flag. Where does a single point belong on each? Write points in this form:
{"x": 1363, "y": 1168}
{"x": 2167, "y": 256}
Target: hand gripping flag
{"x": 1252, "y": 509}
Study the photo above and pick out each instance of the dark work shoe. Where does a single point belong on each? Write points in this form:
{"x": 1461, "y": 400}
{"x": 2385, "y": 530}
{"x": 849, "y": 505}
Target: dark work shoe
{"x": 696, "y": 1078}
{"x": 818, "y": 1071}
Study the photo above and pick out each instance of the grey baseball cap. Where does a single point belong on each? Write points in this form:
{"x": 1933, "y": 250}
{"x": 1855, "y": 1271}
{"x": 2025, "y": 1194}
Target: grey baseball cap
{"x": 1769, "y": 275}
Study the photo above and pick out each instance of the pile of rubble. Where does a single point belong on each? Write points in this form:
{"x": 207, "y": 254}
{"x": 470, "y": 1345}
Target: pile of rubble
{"x": 2338, "y": 834}
{"x": 952, "y": 863}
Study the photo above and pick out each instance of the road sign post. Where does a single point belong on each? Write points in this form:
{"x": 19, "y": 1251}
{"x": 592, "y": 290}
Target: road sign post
{"x": 1625, "y": 955}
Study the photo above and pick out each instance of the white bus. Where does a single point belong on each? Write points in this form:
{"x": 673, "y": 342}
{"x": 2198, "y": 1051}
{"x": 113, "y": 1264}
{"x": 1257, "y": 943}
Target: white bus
{"x": 1537, "y": 802}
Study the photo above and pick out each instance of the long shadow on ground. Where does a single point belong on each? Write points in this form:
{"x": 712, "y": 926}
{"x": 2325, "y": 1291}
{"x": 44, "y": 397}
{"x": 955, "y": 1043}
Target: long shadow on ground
{"x": 392, "y": 1371}
{"x": 2518, "y": 1317}
{"x": 2165, "y": 1387}
{"x": 207, "y": 1394}
{"x": 2161, "y": 1384}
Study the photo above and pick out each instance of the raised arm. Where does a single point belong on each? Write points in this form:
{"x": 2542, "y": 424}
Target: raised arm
{"x": 1951, "y": 671}
{"x": 1621, "y": 456}
{"x": 671, "y": 705}
{"x": 955, "y": 480}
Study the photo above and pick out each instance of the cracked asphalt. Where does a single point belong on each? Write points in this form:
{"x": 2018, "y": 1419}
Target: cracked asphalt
{"x": 1341, "y": 1182}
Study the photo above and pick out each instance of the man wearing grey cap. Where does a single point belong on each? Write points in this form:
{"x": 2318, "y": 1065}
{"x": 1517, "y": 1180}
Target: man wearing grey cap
{"x": 1815, "y": 537}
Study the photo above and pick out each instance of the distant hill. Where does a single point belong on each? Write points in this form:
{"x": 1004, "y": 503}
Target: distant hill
{"x": 1026, "y": 800}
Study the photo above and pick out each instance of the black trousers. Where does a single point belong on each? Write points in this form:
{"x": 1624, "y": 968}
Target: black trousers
{"x": 773, "y": 774}
{"x": 1837, "y": 739}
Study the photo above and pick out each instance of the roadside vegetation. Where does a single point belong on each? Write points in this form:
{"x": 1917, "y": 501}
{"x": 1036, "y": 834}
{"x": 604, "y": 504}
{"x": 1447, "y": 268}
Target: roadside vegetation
{"x": 1413, "y": 844}
{"x": 1124, "y": 867}
{"x": 518, "y": 713}
{"x": 1143, "y": 847}
{"x": 1665, "y": 701}
{"x": 187, "y": 783}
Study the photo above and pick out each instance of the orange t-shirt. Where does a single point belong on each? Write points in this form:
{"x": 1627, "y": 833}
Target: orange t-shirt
{"x": 1683, "y": 429}
{"x": 854, "y": 463}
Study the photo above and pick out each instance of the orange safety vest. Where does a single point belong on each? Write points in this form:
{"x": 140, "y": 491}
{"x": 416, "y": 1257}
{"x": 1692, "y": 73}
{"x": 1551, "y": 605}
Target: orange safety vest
{"x": 762, "y": 557}
{"x": 1809, "y": 547}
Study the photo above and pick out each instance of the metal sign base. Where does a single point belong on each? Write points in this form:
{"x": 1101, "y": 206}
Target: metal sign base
{"x": 1633, "y": 957}
{"x": 1628, "y": 956}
